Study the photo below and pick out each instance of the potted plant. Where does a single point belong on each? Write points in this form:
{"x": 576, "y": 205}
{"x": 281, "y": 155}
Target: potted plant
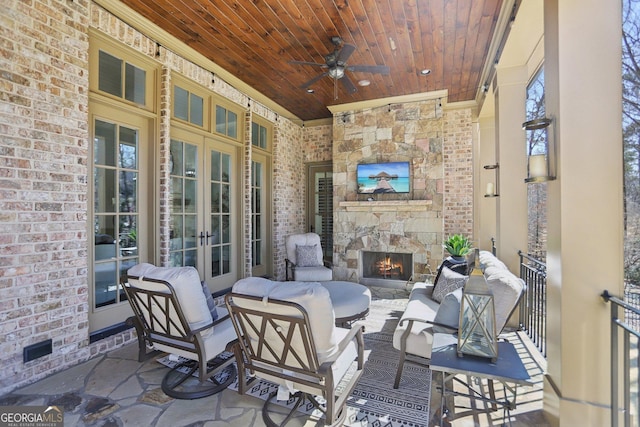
{"x": 458, "y": 246}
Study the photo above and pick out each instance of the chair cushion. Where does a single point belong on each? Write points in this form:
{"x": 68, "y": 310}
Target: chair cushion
{"x": 312, "y": 296}
{"x": 211, "y": 304}
{"x": 448, "y": 282}
{"x": 449, "y": 312}
{"x": 187, "y": 285}
{"x": 318, "y": 273}
{"x": 306, "y": 256}
{"x": 420, "y": 306}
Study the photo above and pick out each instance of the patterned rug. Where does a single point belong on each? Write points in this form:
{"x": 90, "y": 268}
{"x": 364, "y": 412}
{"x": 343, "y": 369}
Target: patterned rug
{"x": 374, "y": 402}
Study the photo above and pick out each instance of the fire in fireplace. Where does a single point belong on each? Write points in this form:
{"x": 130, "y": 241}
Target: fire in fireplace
{"x": 387, "y": 266}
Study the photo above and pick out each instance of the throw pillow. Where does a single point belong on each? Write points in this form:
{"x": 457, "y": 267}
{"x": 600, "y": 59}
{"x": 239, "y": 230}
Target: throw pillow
{"x": 448, "y": 281}
{"x": 306, "y": 256}
{"x": 449, "y": 312}
{"x": 210, "y": 302}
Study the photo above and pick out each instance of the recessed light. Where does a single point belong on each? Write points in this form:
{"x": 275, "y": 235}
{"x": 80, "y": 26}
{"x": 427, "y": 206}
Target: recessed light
{"x": 364, "y": 82}
{"x": 310, "y": 91}
{"x": 425, "y": 72}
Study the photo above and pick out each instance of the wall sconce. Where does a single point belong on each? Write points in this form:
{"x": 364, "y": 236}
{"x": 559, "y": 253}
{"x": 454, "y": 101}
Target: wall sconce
{"x": 541, "y": 161}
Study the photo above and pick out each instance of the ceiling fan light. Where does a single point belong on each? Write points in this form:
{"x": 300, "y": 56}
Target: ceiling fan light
{"x": 336, "y": 72}
{"x": 364, "y": 82}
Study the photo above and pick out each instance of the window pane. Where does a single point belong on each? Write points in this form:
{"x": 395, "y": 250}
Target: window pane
{"x": 225, "y": 161}
{"x": 134, "y": 84}
{"x": 128, "y": 235}
{"x": 128, "y": 191}
{"x": 215, "y": 230}
{"x": 221, "y": 119}
{"x": 190, "y": 160}
{"x": 104, "y": 144}
{"x": 110, "y": 74}
{"x": 215, "y": 166}
{"x": 176, "y": 158}
{"x": 196, "y": 112}
{"x": 180, "y": 103}
{"x": 190, "y": 231}
{"x": 255, "y": 134}
{"x": 104, "y": 190}
{"x": 190, "y": 196}
{"x": 176, "y": 190}
{"x": 128, "y": 157}
{"x": 176, "y": 232}
{"x": 263, "y": 137}
{"x": 232, "y": 124}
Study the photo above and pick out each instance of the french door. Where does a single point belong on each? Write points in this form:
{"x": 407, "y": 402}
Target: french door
{"x": 119, "y": 210}
{"x": 204, "y": 208}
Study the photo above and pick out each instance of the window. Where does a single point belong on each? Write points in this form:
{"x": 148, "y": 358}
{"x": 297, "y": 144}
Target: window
{"x": 258, "y": 135}
{"x": 121, "y": 79}
{"x": 188, "y": 106}
{"x": 536, "y": 192}
{"x": 226, "y": 122}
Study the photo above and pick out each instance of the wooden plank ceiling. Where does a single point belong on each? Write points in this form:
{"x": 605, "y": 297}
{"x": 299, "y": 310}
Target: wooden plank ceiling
{"x": 256, "y": 39}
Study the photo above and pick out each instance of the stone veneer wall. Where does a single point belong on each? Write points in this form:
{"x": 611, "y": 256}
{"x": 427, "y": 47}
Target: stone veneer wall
{"x": 437, "y": 143}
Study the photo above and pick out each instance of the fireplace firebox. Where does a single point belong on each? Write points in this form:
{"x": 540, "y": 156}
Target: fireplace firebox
{"x": 382, "y": 268}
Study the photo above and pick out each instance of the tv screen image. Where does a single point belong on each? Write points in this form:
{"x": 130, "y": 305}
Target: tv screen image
{"x": 376, "y": 178}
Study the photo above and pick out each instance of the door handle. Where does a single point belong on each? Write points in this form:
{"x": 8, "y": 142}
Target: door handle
{"x": 201, "y": 237}
{"x": 208, "y": 235}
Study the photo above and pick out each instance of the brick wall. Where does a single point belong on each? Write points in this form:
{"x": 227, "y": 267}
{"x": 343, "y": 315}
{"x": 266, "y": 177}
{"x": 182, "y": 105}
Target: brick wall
{"x": 43, "y": 185}
{"x": 457, "y": 154}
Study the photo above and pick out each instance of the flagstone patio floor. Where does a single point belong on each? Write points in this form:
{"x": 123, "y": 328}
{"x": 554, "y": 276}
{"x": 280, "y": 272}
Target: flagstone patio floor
{"x": 109, "y": 392}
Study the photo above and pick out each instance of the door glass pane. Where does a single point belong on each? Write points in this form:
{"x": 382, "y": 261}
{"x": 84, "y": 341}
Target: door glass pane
{"x": 110, "y": 74}
{"x": 134, "y": 88}
{"x": 184, "y": 204}
{"x": 323, "y": 210}
{"x": 115, "y": 193}
{"x": 220, "y": 218}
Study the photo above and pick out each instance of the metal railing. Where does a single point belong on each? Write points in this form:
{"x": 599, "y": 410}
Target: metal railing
{"x": 622, "y": 324}
{"x": 533, "y": 306}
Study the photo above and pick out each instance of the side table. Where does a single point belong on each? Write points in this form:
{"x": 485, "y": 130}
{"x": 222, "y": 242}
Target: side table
{"x": 508, "y": 370}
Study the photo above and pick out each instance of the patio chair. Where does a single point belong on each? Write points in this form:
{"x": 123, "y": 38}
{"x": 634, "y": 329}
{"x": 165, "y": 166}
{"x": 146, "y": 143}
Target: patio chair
{"x": 171, "y": 313}
{"x": 287, "y": 336}
{"x": 305, "y": 259}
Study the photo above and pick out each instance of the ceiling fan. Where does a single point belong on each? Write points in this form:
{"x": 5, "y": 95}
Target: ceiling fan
{"x": 335, "y": 64}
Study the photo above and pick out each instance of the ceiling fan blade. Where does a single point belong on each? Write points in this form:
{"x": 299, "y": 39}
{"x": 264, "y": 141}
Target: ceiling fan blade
{"x": 307, "y": 63}
{"x": 378, "y": 69}
{"x": 345, "y": 52}
{"x": 348, "y": 84}
{"x": 313, "y": 80}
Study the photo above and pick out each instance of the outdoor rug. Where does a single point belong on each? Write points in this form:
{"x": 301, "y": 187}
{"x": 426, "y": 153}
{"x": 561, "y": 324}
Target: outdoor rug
{"x": 374, "y": 402}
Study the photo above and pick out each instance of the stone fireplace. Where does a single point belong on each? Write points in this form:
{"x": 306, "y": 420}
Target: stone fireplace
{"x": 437, "y": 142}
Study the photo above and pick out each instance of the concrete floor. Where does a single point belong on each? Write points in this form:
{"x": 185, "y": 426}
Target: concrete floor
{"x": 115, "y": 390}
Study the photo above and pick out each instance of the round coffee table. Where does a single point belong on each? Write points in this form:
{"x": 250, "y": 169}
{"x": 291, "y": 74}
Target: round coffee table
{"x": 350, "y": 300}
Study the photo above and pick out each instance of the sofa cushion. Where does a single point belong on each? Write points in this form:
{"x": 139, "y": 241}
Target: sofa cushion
{"x": 448, "y": 282}
{"x": 449, "y": 312}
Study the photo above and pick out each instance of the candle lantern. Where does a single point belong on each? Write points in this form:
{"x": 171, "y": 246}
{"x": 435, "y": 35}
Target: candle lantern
{"x": 477, "y": 332}
{"x": 540, "y": 150}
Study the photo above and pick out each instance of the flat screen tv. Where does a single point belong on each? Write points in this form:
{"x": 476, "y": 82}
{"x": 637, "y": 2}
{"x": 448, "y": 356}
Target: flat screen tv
{"x": 377, "y": 178}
